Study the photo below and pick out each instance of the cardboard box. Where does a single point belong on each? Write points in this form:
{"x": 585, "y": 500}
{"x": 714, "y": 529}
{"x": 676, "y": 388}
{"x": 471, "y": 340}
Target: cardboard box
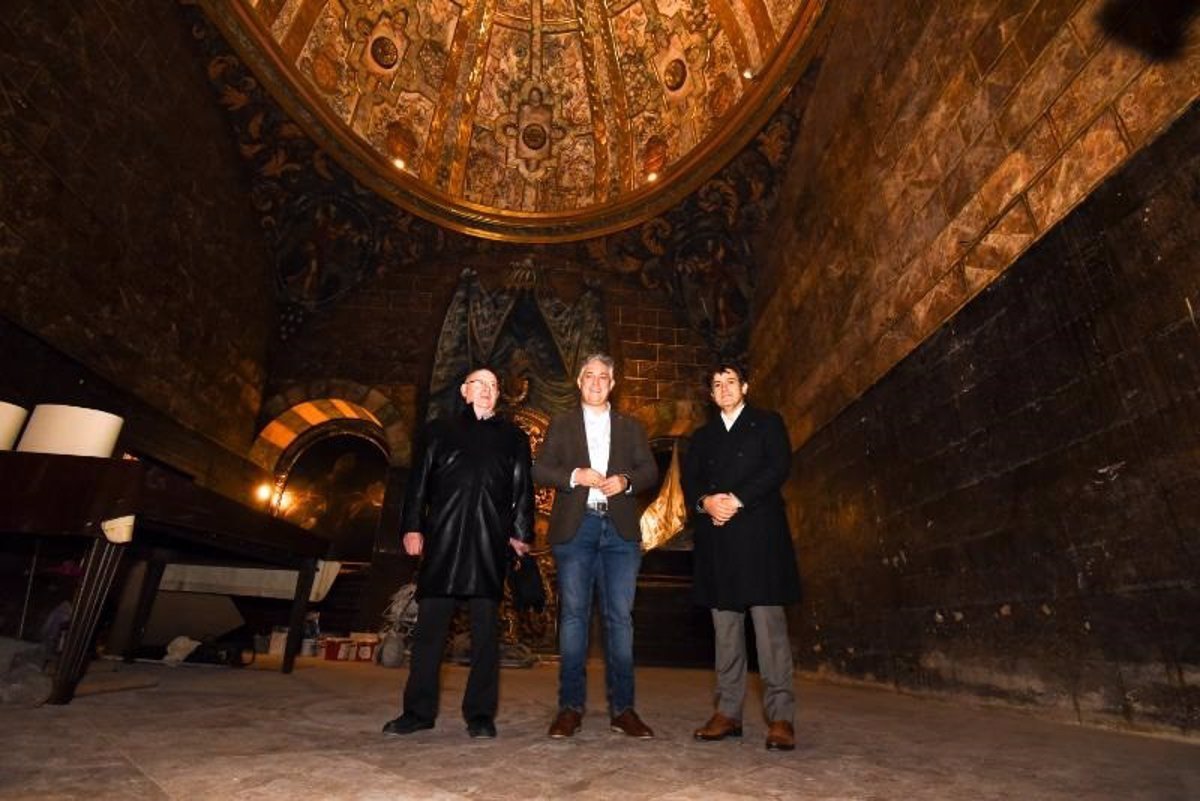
{"x": 278, "y": 642}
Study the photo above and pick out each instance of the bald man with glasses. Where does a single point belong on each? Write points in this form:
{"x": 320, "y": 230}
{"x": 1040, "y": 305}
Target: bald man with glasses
{"x": 467, "y": 507}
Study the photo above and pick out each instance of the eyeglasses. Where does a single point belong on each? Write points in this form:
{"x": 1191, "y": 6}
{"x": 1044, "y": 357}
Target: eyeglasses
{"x": 492, "y": 385}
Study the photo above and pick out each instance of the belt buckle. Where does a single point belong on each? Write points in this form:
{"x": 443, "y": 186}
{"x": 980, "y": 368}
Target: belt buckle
{"x": 599, "y": 506}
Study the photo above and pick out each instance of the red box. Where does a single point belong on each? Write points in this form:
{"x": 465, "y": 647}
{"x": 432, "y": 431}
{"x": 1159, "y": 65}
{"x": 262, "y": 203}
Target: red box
{"x": 364, "y": 651}
{"x": 344, "y": 649}
{"x": 338, "y": 649}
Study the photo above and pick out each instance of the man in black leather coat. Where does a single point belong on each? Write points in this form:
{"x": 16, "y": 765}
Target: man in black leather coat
{"x": 469, "y": 500}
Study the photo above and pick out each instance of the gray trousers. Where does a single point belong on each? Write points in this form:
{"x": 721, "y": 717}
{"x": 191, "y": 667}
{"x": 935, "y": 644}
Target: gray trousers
{"x": 774, "y": 661}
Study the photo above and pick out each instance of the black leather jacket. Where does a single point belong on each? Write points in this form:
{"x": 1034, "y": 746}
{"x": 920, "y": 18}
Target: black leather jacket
{"x": 469, "y": 491}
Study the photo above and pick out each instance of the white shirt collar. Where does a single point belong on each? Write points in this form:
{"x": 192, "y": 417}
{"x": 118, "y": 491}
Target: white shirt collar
{"x": 588, "y": 410}
{"x": 730, "y": 419}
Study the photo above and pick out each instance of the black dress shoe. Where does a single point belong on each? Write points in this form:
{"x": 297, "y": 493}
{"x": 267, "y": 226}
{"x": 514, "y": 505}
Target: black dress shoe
{"x": 406, "y": 724}
{"x": 481, "y": 726}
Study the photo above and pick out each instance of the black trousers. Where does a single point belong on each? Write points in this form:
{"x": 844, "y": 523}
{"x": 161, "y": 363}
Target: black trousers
{"x": 482, "y": 695}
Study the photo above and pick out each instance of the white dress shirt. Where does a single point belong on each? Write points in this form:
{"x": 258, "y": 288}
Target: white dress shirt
{"x": 598, "y": 426}
{"x": 730, "y": 419}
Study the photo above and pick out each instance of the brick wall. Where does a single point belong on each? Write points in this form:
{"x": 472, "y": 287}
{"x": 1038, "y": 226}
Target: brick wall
{"x": 942, "y": 140}
{"x": 660, "y": 357}
{"x": 126, "y": 236}
{"x": 383, "y": 334}
{"x": 1014, "y": 510}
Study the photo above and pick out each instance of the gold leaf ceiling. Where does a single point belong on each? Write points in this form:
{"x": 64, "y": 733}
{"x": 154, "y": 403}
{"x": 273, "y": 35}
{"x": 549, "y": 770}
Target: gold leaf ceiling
{"x": 528, "y": 120}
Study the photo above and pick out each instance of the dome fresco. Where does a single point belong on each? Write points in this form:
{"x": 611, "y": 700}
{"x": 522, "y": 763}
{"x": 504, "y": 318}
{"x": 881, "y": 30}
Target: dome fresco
{"x": 535, "y": 120}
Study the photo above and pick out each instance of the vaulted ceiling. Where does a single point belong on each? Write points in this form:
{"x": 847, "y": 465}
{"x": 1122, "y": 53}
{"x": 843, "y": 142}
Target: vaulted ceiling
{"x": 527, "y": 120}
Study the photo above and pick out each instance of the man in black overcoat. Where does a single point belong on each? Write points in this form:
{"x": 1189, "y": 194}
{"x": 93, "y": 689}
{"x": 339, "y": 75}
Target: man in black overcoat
{"x": 744, "y": 559}
{"x": 469, "y": 501}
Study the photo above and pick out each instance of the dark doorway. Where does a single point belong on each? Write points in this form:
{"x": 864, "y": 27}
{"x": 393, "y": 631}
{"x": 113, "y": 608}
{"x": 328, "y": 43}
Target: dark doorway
{"x": 336, "y": 487}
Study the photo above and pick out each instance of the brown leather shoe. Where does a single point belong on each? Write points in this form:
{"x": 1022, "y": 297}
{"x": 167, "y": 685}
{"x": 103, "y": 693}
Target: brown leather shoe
{"x": 718, "y": 728}
{"x": 566, "y": 723}
{"x": 781, "y": 736}
{"x": 630, "y": 724}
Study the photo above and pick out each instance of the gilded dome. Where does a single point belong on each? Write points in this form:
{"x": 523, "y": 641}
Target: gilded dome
{"x": 535, "y": 120}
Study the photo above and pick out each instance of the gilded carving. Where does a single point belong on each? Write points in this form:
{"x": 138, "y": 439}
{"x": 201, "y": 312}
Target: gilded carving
{"x": 654, "y": 155}
{"x": 674, "y": 74}
{"x": 617, "y": 82}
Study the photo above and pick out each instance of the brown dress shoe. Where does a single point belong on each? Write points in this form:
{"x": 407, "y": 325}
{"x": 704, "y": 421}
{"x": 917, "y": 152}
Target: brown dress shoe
{"x": 781, "y": 736}
{"x": 630, "y": 724}
{"x": 566, "y": 723}
{"x": 718, "y": 728}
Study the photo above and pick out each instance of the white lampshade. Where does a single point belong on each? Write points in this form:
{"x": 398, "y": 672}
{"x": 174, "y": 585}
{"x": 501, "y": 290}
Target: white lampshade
{"x": 70, "y": 430}
{"x": 12, "y": 417}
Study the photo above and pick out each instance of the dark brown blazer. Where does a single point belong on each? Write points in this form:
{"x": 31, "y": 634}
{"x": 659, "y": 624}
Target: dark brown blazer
{"x": 565, "y": 448}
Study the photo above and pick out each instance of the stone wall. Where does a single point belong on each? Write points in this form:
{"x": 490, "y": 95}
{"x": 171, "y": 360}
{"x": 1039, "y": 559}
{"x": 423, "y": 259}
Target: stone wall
{"x": 381, "y": 333}
{"x": 126, "y": 234}
{"x": 1014, "y": 510}
{"x": 942, "y": 140}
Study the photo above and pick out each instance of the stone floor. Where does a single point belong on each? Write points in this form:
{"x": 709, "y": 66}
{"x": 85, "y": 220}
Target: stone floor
{"x": 219, "y": 733}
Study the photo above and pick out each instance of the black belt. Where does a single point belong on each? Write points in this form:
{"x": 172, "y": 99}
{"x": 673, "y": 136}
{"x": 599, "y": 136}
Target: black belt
{"x": 598, "y": 507}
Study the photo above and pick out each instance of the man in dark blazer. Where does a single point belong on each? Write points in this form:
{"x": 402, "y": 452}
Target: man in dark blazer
{"x": 744, "y": 559}
{"x": 596, "y": 458}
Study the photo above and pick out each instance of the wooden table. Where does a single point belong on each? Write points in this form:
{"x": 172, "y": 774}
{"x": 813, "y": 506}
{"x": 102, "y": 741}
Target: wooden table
{"x": 49, "y": 494}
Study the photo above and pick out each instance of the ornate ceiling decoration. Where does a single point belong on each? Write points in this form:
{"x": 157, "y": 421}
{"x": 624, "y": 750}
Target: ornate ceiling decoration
{"x": 527, "y": 120}
{"x": 329, "y": 235}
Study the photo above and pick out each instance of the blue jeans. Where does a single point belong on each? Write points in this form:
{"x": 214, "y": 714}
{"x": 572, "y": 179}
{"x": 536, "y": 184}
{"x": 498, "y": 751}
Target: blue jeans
{"x": 596, "y": 556}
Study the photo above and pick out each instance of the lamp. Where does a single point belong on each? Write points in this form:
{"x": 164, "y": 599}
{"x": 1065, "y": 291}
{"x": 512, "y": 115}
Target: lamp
{"x": 76, "y": 431}
{"x": 70, "y": 430}
{"x": 12, "y": 417}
